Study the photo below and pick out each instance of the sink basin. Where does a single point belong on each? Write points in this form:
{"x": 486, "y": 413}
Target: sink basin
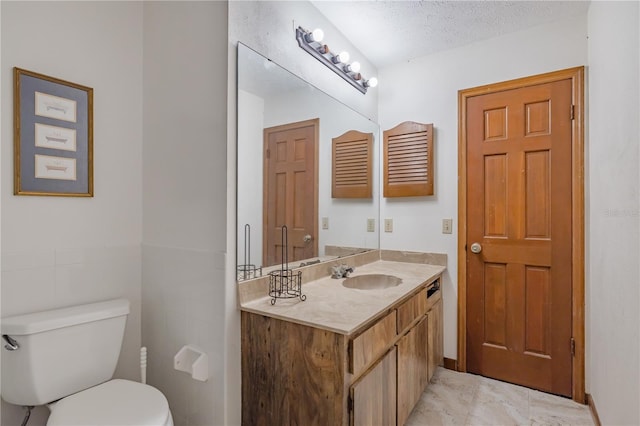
{"x": 372, "y": 282}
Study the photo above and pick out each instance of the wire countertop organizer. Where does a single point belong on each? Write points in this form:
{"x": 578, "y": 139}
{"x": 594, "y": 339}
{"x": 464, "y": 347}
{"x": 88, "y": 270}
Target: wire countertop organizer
{"x": 284, "y": 283}
{"x": 248, "y": 270}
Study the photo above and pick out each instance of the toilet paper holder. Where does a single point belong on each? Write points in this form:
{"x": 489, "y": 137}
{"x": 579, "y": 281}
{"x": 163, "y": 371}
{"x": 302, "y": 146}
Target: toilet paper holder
{"x": 193, "y": 361}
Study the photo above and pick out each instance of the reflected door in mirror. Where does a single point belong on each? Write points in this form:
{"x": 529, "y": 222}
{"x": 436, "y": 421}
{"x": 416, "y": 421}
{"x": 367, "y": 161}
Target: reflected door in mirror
{"x": 291, "y": 191}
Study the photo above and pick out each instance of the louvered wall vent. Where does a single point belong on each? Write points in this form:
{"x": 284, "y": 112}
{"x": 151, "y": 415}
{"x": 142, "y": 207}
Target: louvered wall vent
{"x": 408, "y": 160}
{"x": 352, "y": 165}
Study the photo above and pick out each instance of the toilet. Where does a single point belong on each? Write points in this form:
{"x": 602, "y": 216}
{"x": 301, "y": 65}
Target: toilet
{"x": 65, "y": 359}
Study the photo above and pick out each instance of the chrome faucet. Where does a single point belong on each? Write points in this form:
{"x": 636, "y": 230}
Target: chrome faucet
{"x": 341, "y": 271}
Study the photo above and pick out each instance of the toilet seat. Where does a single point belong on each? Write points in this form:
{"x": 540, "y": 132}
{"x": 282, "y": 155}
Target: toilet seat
{"x": 116, "y": 402}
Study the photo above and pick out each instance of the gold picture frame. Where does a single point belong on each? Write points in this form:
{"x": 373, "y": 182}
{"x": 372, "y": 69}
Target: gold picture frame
{"x": 53, "y": 136}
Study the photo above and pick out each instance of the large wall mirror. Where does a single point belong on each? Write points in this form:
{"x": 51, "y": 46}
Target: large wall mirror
{"x": 286, "y": 129}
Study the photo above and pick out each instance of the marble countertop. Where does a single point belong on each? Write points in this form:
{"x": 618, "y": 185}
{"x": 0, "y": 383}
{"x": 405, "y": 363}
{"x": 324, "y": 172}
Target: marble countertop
{"x": 331, "y": 306}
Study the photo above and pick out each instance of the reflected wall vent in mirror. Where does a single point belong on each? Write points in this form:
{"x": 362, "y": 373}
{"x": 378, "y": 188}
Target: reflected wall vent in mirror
{"x": 311, "y": 42}
{"x": 408, "y": 160}
{"x": 352, "y": 165}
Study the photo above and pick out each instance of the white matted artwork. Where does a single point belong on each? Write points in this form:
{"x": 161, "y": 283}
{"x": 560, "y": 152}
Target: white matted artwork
{"x": 54, "y": 137}
{"x": 55, "y": 107}
{"x": 49, "y": 167}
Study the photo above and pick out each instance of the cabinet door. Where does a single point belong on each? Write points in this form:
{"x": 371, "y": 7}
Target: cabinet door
{"x": 412, "y": 368}
{"x": 436, "y": 347}
{"x": 374, "y": 395}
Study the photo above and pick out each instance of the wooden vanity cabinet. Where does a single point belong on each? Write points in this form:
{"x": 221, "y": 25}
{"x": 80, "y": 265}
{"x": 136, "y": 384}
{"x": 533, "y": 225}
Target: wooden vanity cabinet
{"x": 297, "y": 374}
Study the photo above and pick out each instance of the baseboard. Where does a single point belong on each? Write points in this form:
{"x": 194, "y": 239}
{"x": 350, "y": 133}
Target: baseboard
{"x": 451, "y": 364}
{"x": 592, "y": 408}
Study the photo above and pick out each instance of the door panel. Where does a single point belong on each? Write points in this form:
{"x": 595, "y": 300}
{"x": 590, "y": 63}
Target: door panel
{"x": 374, "y": 395}
{"x": 413, "y": 368}
{"x": 519, "y": 210}
{"x": 290, "y": 191}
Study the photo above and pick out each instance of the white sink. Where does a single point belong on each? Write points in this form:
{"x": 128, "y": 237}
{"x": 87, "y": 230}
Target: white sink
{"x": 372, "y": 282}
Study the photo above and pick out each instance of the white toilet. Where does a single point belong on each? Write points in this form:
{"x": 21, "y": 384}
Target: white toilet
{"x": 65, "y": 358}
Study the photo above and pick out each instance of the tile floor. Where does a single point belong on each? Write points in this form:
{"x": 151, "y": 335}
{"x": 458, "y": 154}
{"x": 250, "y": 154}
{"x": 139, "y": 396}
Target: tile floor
{"x": 455, "y": 398}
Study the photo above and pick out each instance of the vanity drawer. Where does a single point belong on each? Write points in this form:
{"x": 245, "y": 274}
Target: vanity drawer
{"x": 366, "y": 348}
{"x": 412, "y": 309}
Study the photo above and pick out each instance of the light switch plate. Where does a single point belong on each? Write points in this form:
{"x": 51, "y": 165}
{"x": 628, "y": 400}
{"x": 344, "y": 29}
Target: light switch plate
{"x": 447, "y": 226}
{"x": 371, "y": 225}
{"x": 325, "y": 223}
{"x": 388, "y": 225}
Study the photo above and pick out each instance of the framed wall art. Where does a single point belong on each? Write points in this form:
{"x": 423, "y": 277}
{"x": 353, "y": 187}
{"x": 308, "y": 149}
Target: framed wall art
{"x": 53, "y": 136}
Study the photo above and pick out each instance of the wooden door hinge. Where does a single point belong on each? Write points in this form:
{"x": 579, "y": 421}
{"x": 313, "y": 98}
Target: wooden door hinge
{"x": 349, "y": 403}
{"x": 573, "y": 112}
{"x": 573, "y": 347}
{"x": 268, "y": 153}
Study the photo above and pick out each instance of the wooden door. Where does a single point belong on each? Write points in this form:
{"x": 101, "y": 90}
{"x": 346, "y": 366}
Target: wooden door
{"x": 373, "y": 396}
{"x": 290, "y": 191}
{"x": 413, "y": 369}
{"x": 519, "y": 210}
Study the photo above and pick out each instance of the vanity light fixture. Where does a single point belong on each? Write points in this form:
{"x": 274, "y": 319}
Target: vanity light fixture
{"x": 310, "y": 42}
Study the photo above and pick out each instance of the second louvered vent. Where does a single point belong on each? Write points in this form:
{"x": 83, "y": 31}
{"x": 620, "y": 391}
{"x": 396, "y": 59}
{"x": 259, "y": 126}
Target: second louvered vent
{"x": 408, "y": 160}
{"x": 352, "y": 165}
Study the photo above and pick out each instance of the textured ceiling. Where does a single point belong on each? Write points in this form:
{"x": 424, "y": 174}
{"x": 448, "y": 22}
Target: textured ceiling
{"x": 388, "y": 32}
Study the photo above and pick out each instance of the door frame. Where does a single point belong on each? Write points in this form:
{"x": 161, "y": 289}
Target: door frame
{"x": 315, "y": 124}
{"x": 576, "y": 75}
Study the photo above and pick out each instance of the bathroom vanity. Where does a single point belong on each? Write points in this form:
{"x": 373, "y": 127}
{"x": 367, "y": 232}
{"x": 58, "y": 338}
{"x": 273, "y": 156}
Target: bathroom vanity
{"x": 345, "y": 355}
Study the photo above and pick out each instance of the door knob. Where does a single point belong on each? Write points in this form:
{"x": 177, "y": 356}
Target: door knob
{"x": 476, "y": 248}
{"x": 307, "y": 238}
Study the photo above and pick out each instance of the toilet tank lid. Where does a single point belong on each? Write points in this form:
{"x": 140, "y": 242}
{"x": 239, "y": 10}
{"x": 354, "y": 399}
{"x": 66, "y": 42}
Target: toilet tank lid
{"x": 38, "y": 322}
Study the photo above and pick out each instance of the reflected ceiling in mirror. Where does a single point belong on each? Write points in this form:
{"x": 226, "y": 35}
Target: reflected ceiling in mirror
{"x": 285, "y": 132}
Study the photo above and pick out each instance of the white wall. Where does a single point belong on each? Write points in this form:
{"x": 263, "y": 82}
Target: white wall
{"x": 184, "y": 203}
{"x": 614, "y": 211}
{"x": 426, "y": 90}
{"x": 60, "y": 251}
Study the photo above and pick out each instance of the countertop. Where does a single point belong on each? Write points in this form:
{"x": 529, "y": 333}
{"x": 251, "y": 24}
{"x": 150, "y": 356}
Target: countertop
{"x": 331, "y": 306}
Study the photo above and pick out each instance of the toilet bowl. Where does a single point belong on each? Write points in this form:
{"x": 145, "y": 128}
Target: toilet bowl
{"x": 116, "y": 402}
{"x": 65, "y": 359}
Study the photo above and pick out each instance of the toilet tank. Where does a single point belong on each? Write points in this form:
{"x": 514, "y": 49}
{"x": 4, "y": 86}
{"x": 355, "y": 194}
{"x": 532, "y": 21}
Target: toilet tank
{"x": 61, "y": 351}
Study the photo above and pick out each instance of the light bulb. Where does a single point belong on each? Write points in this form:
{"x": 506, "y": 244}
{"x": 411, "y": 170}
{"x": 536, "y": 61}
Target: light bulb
{"x": 317, "y": 34}
{"x": 341, "y": 57}
{"x": 353, "y": 67}
{"x": 372, "y": 82}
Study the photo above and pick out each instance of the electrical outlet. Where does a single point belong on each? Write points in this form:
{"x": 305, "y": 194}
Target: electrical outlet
{"x": 325, "y": 223}
{"x": 388, "y": 225}
{"x": 447, "y": 226}
{"x": 371, "y": 225}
